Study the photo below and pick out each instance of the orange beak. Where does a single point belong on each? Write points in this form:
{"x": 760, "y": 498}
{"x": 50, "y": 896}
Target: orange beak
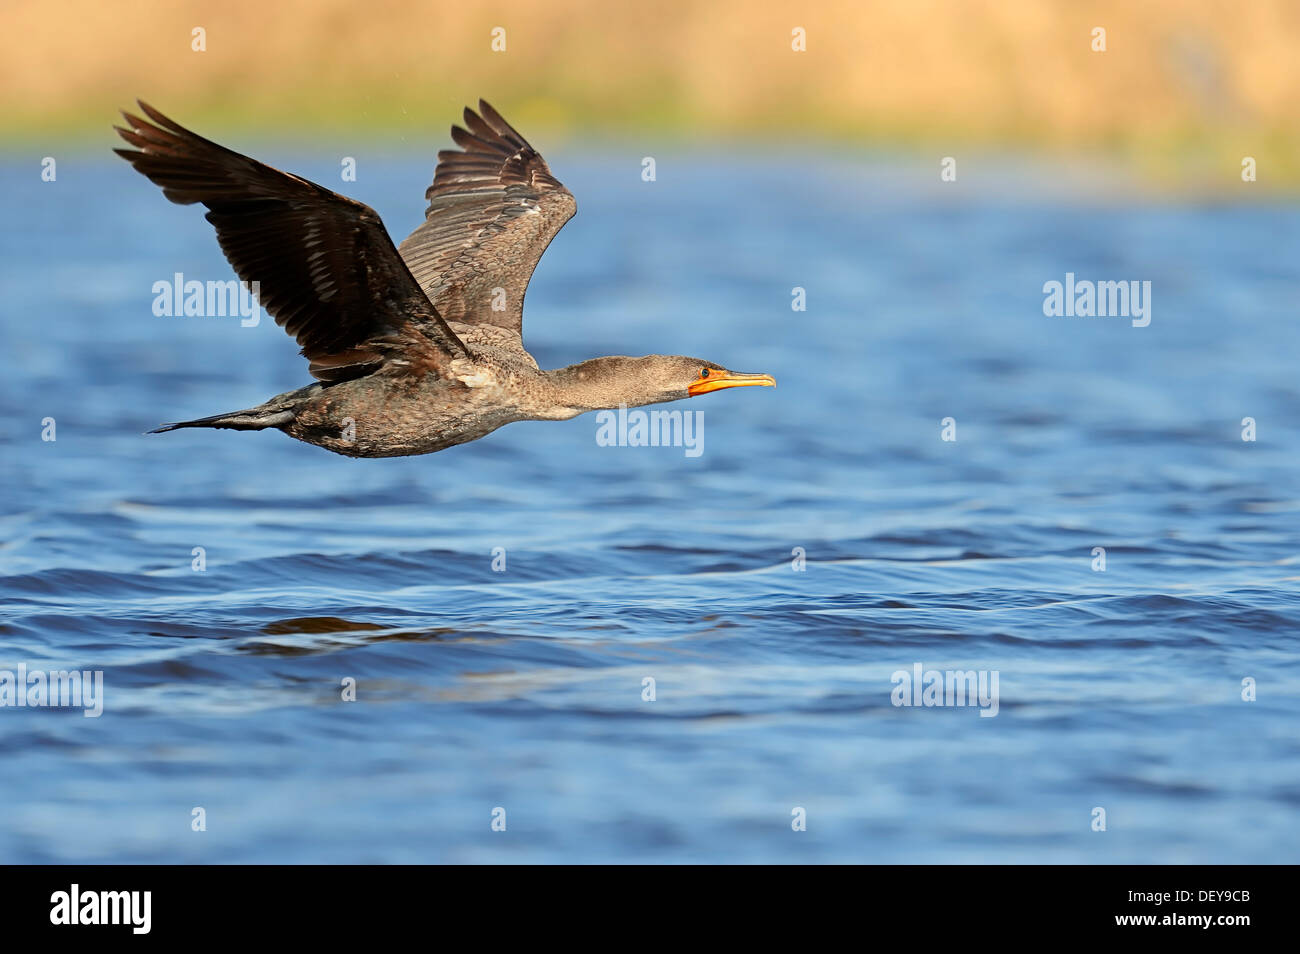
{"x": 717, "y": 380}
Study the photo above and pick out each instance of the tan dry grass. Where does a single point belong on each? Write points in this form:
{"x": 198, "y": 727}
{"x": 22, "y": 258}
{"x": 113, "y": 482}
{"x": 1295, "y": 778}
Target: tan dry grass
{"x": 1186, "y": 86}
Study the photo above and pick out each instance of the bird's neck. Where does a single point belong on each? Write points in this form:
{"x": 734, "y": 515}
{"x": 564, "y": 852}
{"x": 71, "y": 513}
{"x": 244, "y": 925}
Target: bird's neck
{"x": 599, "y": 384}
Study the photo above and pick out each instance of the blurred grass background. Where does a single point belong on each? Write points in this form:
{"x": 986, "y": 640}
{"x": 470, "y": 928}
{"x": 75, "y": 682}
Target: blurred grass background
{"x": 1184, "y": 90}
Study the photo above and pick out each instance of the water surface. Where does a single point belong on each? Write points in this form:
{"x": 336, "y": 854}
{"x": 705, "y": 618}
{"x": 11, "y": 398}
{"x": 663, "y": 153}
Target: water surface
{"x": 523, "y": 689}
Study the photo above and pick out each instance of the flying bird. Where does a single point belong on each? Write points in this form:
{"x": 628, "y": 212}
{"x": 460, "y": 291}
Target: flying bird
{"x": 416, "y": 347}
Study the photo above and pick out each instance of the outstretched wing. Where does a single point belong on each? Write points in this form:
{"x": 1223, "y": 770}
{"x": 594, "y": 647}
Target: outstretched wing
{"x": 493, "y": 208}
{"x": 326, "y": 269}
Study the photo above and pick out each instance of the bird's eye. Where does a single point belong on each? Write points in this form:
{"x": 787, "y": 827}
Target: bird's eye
{"x": 704, "y": 372}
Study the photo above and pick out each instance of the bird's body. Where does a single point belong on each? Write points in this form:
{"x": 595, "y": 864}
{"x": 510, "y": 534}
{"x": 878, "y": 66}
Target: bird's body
{"x": 397, "y": 415}
{"x": 416, "y": 349}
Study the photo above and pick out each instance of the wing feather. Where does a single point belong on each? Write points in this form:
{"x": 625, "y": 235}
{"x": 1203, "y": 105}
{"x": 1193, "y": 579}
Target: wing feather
{"x": 325, "y": 267}
{"x": 494, "y": 207}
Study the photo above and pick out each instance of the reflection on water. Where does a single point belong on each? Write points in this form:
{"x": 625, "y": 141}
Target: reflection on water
{"x": 653, "y": 676}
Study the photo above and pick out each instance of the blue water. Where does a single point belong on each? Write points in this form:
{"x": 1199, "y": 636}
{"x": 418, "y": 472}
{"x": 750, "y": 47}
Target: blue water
{"x": 523, "y": 690}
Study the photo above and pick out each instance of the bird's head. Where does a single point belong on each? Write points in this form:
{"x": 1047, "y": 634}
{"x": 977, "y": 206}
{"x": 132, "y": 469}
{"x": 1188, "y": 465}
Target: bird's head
{"x": 676, "y": 377}
{"x": 619, "y": 380}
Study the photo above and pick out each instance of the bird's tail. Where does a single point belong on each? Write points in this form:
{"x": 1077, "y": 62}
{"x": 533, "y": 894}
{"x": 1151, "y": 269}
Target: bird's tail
{"x": 253, "y": 419}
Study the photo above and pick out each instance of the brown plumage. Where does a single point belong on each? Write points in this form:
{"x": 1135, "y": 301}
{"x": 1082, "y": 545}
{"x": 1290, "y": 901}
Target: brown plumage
{"x": 418, "y": 348}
